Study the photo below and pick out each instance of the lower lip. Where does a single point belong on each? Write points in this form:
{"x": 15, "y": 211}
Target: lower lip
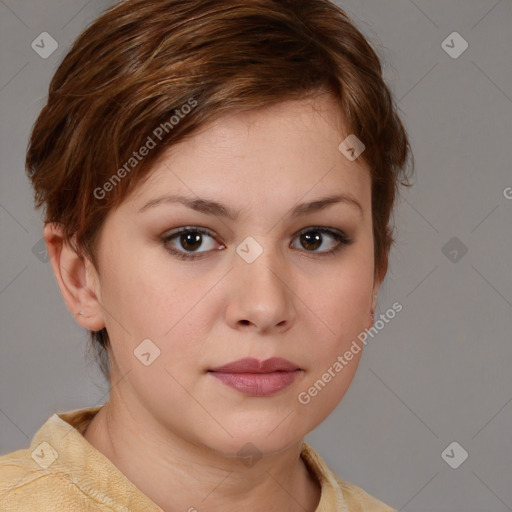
{"x": 257, "y": 384}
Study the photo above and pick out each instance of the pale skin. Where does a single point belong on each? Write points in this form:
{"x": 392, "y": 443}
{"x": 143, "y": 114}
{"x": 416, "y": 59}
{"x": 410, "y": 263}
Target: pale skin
{"x": 170, "y": 427}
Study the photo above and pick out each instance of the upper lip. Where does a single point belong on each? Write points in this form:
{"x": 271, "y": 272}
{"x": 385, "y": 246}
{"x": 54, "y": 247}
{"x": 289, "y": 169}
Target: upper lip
{"x": 250, "y": 365}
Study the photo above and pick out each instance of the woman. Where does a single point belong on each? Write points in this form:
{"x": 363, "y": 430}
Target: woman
{"x": 218, "y": 178}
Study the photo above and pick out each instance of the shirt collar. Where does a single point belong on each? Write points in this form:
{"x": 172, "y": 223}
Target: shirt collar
{"x": 85, "y": 466}
{"x": 78, "y": 461}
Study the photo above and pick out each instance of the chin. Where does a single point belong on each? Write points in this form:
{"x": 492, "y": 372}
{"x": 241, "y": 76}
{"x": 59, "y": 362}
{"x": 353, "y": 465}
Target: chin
{"x": 250, "y": 448}
{"x": 259, "y": 437}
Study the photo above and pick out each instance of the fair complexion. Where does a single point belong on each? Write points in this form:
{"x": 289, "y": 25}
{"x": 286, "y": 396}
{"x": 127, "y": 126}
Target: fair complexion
{"x": 171, "y": 427}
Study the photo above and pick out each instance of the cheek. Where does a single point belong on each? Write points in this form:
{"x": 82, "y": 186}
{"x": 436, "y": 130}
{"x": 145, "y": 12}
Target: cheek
{"x": 334, "y": 353}
{"x": 156, "y": 300}
{"x": 148, "y": 293}
{"x": 340, "y": 299}
{"x": 338, "y": 313}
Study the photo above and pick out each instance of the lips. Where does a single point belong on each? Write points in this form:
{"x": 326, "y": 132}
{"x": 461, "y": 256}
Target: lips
{"x": 250, "y": 365}
{"x": 257, "y": 378}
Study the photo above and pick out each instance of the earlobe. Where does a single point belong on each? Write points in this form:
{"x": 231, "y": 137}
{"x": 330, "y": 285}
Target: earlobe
{"x": 371, "y": 315}
{"x": 73, "y": 274}
{"x": 373, "y": 306}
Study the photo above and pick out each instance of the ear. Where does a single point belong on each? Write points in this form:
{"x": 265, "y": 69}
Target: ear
{"x": 77, "y": 279}
{"x": 377, "y": 281}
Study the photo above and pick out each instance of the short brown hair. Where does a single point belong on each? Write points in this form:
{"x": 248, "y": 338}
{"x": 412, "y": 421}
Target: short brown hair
{"x": 139, "y": 63}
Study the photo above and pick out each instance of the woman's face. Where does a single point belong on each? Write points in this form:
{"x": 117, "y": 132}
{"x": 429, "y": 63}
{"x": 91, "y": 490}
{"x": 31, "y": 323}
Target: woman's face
{"x": 260, "y": 274}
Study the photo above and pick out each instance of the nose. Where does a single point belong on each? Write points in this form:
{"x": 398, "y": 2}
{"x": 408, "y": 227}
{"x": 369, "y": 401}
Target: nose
{"x": 262, "y": 299}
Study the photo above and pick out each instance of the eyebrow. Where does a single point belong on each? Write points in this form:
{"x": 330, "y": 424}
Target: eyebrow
{"x": 217, "y": 209}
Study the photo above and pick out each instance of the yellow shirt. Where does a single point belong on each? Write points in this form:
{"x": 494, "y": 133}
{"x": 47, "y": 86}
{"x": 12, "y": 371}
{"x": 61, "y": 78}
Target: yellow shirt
{"x": 62, "y": 471}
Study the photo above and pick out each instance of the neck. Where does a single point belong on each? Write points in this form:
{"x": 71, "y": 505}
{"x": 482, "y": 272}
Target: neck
{"x": 178, "y": 475}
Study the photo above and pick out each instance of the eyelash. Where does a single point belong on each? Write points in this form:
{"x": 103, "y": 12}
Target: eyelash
{"x": 339, "y": 236}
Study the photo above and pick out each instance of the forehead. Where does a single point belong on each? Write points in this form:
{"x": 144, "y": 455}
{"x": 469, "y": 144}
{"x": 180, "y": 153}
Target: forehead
{"x": 285, "y": 152}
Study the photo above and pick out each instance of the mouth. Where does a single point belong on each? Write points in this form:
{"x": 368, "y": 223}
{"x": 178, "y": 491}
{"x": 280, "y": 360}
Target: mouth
{"x": 253, "y": 377}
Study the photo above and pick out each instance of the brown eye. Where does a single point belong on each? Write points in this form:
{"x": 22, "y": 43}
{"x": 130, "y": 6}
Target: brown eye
{"x": 310, "y": 241}
{"x": 313, "y": 238}
{"x": 185, "y": 242}
{"x": 191, "y": 241}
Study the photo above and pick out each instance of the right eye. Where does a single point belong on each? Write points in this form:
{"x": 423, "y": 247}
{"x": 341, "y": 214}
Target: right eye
{"x": 189, "y": 239}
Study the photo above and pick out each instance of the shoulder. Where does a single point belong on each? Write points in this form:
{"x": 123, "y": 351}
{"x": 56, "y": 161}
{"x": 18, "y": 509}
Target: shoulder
{"x": 25, "y": 486}
{"x": 338, "y": 493}
{"x": 359, "y": 500}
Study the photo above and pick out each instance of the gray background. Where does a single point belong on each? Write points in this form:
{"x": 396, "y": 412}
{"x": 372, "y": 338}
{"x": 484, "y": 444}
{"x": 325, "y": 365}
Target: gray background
{"x": 440, "y": 371}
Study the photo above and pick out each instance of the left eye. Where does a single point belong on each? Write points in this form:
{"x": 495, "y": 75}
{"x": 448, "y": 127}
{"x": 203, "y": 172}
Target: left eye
{"x": 312, "y": 238}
